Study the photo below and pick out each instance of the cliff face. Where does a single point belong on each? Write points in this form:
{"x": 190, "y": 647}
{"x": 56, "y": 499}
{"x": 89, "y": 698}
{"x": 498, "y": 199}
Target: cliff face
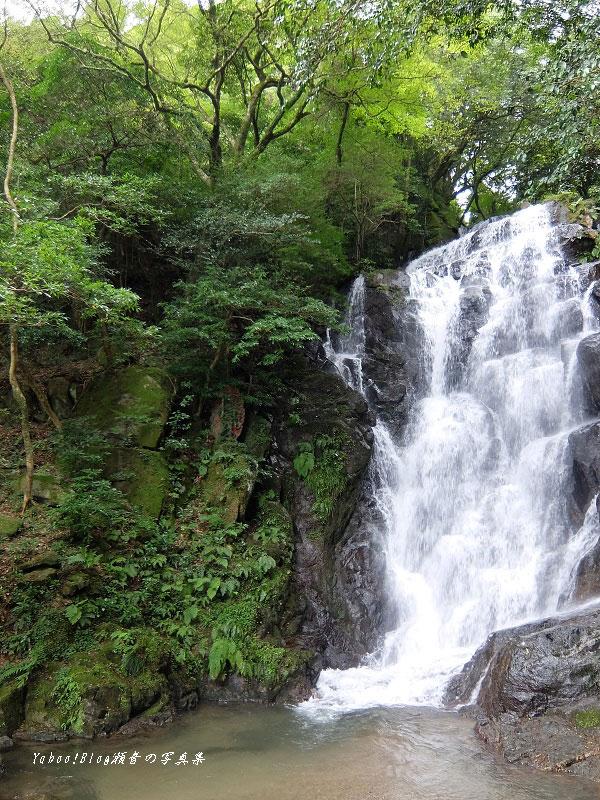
{"x": 243, "y": 539}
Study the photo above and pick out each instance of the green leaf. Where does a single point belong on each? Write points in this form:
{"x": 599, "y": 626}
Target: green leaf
{"x": 73, "y": 614}
{"x": 189, "y": 614}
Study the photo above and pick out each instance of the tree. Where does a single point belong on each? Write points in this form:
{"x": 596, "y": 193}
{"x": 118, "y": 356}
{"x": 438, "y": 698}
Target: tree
{"x": 41, "y": 264}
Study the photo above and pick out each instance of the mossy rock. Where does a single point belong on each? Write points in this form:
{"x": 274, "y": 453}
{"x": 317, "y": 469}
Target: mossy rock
{"x": 39, "y": 575}
{"x": 142, "y": 476}
{"x": 257, "y": 436}
{"x": 44, "y": 487}
{"x": 75, "y": 583}
{"x": 101, "y": 698}
{"x": 9, "y": 526}
{"x": 48, "y": 559}
{"x": 230, "y": 494}
{"x": 11, "y": 708}
{"x": 131, "y": 404}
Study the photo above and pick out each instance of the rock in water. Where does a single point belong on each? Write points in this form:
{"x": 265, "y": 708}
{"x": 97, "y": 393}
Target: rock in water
{"x": 538, "y": 700}
{"x": 588, "y": 357}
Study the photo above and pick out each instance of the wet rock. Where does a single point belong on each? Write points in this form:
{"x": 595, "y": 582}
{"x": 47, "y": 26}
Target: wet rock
{"x": 473, "y": 312}
{"x": 587, "y": 577}
{"x": 584, "y": 445}
{"x": 333, "y": 423}
{"x": 6, "y": 743}
{"x": 391, "y": 364}
{"x": 588, "y": 358}
{"x": 538, "y": 699}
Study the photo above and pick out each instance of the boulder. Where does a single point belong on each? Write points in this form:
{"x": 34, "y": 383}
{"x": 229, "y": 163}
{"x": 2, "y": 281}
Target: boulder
{"x": 131, "y": 405}
{"x": 39, "y": 575}
{"x": 101, "y": 697}
{"x": 9, "y": 526}
{"x": 584, "y": 445}
{"x": 588, "y": 358}
{"x": 142, "y": 475}
{"x": 48, "y": 559}
{"x": 45, "y": 488}
{"x": 537, "y": 699}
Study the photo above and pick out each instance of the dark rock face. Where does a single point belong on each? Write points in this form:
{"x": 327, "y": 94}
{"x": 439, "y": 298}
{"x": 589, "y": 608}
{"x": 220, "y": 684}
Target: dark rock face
{"x": 333, "y": 578}
{"x": 392, "y": 343}
{"x": 584, "y": 444}
{"x": 588, "y": 358}
{"x": 538, "y": 700}
{"x": 585, "y": 449}
{"x": 473, "y": 311}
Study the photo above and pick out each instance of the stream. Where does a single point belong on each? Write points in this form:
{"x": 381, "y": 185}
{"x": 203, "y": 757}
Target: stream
{"x": 258, "y": 753}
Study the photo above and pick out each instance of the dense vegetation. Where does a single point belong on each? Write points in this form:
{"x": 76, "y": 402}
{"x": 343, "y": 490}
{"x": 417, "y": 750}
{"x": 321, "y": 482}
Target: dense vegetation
{"x": 188, "y": 188}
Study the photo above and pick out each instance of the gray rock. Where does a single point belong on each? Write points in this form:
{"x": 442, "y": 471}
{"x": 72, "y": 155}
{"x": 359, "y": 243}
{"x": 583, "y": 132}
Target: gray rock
{"x": 588, "y": 358}
{"x": 538, "y": 700}
{"x": 584, "y": 445}
{"x": 327, "y": 571}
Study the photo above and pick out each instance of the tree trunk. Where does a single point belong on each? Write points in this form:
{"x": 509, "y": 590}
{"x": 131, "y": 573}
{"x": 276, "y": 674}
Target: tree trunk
{"x": 24, "y": 414}
{"x": 339, "y": 154}
{"x": 41, "y": 395}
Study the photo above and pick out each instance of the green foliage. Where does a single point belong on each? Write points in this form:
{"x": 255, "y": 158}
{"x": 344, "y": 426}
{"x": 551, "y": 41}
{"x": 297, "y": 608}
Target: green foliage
{"x": 304, "y": 462}
{"x": 237, "y": 316}
{"x": 323, "y": 468}
{"x": 588, "y": 719}
{"x": 68, "y": 697}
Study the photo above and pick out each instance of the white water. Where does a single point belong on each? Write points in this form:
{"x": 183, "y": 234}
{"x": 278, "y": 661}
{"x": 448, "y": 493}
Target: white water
{"x": 474, "y": 497}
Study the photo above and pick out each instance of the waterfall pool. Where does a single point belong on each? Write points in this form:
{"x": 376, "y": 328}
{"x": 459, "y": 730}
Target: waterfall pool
{"x": 258, "y": 753}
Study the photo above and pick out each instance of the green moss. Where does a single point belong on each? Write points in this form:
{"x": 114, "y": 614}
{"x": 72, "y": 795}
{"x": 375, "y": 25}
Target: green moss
{"x": 142, "y": 476}
{"x": 588, "y": 719}
{"x": 11, "y": 707}
{"x": 132, "y": 404}
{"x": 229, "y": 481}
{"x": 44, "y": 487}
{"x": 9, "y": 525}
{"x": 257, "y": 437}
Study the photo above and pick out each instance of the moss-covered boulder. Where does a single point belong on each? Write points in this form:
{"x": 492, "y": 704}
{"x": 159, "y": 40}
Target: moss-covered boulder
{"x": 230, "y": 477}
{"x": 96, "y": 692}
{"x": 46, "y": 488}
{"x": 39, "y": 575}
{"x": 142, "y": 475}
{"x": 228, "y": 484}
{"x": 131, "y": 404}
{"x": 11, "y": 708}
{"x": 9, "y": 526}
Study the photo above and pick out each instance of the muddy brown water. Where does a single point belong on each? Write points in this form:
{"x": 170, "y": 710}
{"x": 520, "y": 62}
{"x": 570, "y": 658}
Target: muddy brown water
{"x": 257, "y": 753}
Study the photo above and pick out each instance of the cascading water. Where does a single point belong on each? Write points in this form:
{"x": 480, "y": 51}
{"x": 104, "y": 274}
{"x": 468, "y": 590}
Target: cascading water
{"x": 474, "y": 497}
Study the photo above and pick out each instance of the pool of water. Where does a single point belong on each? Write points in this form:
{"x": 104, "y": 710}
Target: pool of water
{"x": 257, "y": 753}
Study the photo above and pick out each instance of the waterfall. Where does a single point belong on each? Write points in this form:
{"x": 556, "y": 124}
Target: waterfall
{"x": 473, "y": 498}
